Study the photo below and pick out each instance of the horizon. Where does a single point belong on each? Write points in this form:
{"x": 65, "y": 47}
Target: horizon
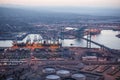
{"x": 65, "y": 3}
{"x": 89, "y": 7}
{"x": 69, "y": 9}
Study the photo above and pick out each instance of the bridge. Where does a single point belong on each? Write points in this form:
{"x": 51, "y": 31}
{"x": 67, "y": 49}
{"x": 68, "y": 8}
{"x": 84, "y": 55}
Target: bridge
{"x": 103, "y": 47}
{"x": 80, "y": 34}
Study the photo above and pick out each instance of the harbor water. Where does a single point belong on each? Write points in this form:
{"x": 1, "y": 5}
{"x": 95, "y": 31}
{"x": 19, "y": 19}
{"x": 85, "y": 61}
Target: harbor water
{"x": 106, "y": 37}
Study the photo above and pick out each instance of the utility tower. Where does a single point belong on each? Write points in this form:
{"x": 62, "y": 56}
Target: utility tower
{"x": 88, "y": 39}
{"x": 62, "y": 33}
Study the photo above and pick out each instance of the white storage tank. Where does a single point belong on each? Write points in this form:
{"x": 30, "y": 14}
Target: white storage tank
{"x": 52, "y": 77}
{"x": 49, "y": 70}
{"x": 79, "y": 76}
{"x": 10, "y": 78}
{"x": 63, "y": 73}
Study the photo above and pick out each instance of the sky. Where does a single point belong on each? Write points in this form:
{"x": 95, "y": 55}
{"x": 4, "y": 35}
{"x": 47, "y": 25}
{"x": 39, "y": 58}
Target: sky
{"x": 74, "y": 3}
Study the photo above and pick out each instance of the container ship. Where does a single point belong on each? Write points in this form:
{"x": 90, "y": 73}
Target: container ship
{"x": 37, "y": 45}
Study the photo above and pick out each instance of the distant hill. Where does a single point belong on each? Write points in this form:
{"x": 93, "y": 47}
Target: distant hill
{"x": 13, "y": 19}
{"x": 21, "y": 19}
{"x": 17, "y": 19}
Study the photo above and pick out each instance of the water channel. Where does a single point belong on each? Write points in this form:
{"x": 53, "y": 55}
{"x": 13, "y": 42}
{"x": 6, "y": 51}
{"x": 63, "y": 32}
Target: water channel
{"x": 106, "y": 37}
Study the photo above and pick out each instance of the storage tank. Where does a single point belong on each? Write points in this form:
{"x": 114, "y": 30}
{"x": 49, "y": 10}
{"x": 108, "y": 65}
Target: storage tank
{"x": 63, "y": 73}
{"x": 52, "y": 77}
{"x": 68, "y": 79}
{"x": 10, "y": 78}
{"x": 79, "y": 76}
{"x": 49, "y": 70}
{"x": 81, "y": 65}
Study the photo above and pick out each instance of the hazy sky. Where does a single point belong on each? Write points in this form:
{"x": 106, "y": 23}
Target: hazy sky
{"x": 83, "y": 3}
